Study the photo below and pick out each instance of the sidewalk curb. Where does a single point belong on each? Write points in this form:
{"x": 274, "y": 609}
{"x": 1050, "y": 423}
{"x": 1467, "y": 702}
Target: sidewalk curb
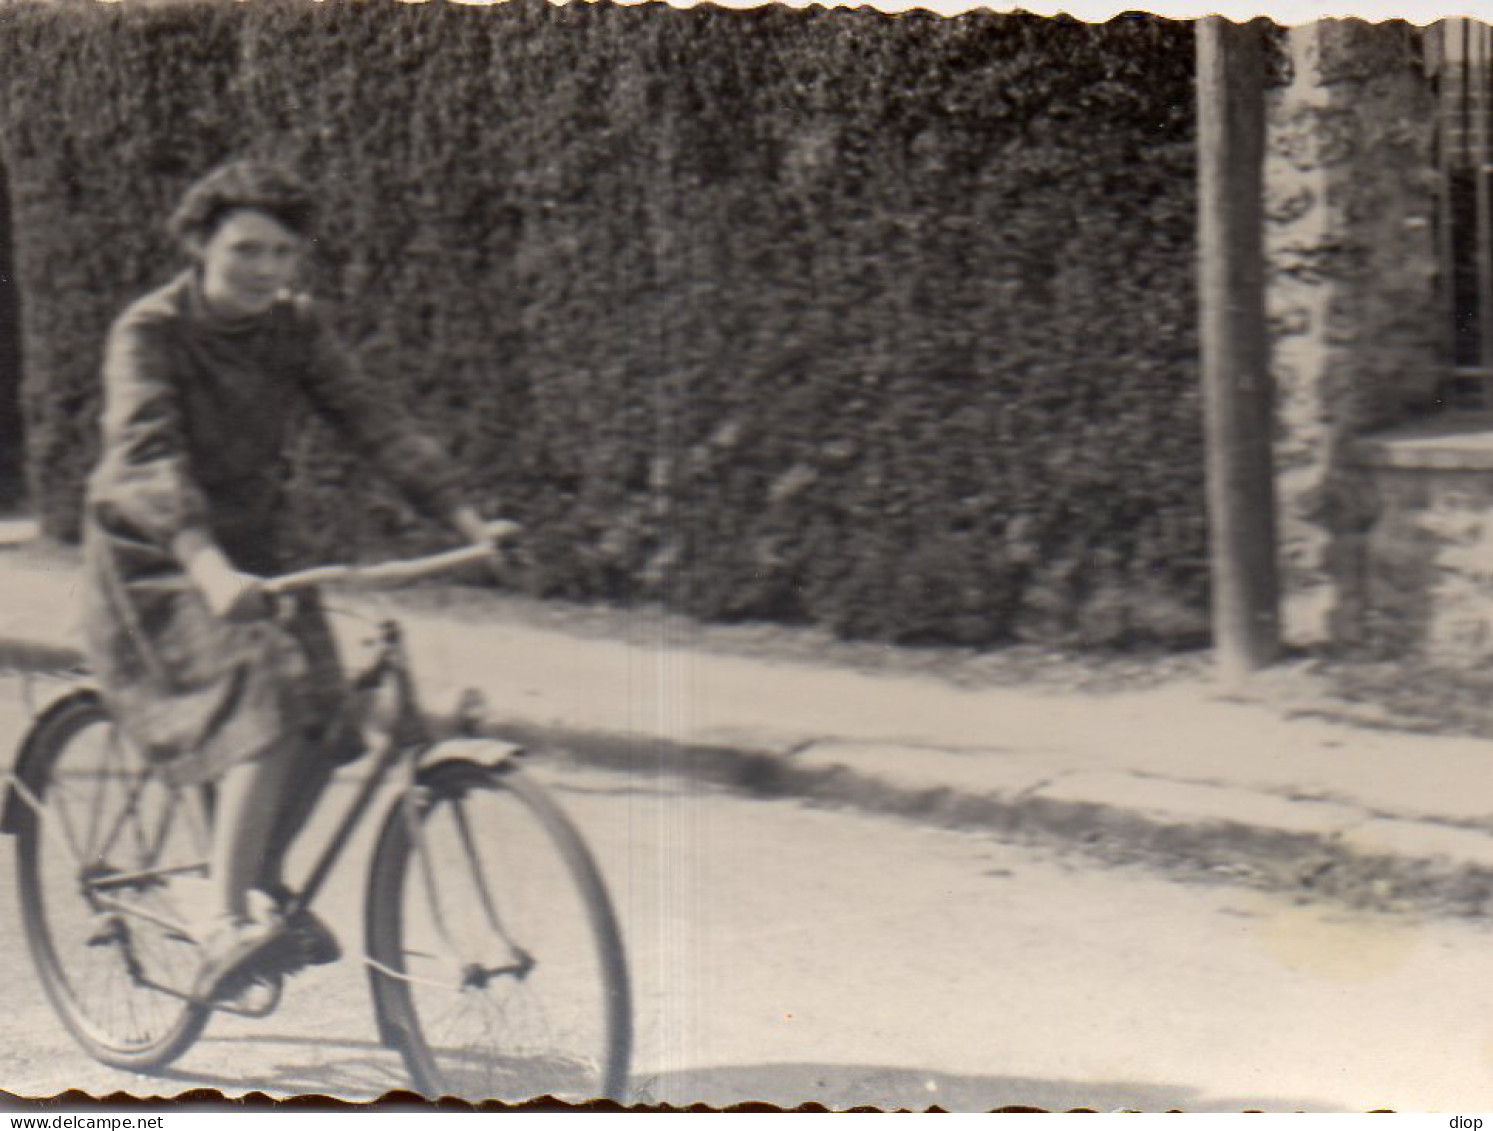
{"x": 1194, "y": 829}
{"x": 1352, "y": 861}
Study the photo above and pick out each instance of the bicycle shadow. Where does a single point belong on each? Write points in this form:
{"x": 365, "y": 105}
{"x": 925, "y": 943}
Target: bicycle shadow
{"x": 841, "y": 1087}
{"x": 298, "y": 1066}
{"x": 363, "y": 1071}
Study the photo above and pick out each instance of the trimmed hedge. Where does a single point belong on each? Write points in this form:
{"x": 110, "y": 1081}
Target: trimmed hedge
{"x": 105, "y": 115}
{"x": 11, "y": 432}
{"x": 882, "y": 323}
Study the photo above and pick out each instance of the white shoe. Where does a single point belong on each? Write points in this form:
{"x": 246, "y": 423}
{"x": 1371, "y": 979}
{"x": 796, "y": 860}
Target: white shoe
{"x": 192, "y": 897}
{"x": 231, "y": 945}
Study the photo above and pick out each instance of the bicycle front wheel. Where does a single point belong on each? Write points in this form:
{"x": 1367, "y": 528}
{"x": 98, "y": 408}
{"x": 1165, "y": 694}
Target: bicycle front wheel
{"x": 496, "y": 963}
{"x": 102, "y": 844}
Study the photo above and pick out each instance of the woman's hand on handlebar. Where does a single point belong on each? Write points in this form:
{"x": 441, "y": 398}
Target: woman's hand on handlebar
{"x": 230, "y": 594}
{"x": 481, "y": 533}
{"x": 235, "y": 596}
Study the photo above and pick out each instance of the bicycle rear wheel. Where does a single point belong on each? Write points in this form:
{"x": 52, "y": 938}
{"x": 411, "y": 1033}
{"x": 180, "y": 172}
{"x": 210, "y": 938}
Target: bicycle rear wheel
{"x": 496, "y": 963}
{"x": 100, "y": 841}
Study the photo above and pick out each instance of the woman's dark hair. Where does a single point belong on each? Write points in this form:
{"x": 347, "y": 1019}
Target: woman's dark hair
{"x": 264, "y": 187}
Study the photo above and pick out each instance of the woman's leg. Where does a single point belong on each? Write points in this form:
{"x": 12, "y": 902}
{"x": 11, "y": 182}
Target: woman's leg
{"x": 245, "y": 810}
{"x": 306, "y": 778}
{"x": 306, "y": 781}
{"x": 312, "y": 760}
{"x": 243, "y": 818}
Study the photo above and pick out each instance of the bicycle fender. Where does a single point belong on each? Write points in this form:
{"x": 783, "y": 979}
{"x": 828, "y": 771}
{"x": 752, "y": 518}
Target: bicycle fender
{"x": 27, "y": 765}
{"x": 489, "y": 753}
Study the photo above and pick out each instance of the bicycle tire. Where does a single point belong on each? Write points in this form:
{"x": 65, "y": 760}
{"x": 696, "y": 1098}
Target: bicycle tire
{"x": 140, "y": 1026}
{"x": 588, "y": 1057}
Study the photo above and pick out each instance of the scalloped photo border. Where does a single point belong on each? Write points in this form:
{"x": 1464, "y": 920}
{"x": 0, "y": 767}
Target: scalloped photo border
{"x": 1285, "y": 12}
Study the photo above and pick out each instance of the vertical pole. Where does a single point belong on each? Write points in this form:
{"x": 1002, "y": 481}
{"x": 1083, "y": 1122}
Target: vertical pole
{"x": 1477, "y": 70}
{"x": 1443, "y": 35}
{"x": 1235, "y": 353}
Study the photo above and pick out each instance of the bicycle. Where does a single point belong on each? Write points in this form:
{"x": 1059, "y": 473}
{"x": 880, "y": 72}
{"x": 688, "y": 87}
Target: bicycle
{"x": 493, "y": 952}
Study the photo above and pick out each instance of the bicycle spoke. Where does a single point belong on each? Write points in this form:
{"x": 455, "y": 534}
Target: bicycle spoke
{"x": 490, "y": 1018}
{"x": 101, "y": 912}
{"x": 95, "y": 816}
{"x": 163, "y": 827}
{"x": 108, "y": 773}
{"x": 134, "y": 786}
{"x": 59, "y": 812}
{"x": 44, "y": 817}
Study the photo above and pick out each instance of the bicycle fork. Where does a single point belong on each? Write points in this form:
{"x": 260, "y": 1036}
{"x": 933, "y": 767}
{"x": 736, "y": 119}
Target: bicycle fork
{"x": 474, "y": 975}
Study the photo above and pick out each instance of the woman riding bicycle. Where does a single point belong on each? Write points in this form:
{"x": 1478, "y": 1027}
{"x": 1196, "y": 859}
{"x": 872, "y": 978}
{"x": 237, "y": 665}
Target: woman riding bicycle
{"x": 202, "y": 379}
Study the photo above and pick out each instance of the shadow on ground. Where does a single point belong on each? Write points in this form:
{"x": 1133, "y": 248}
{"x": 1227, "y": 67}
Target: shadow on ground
{"x": 291, "y": 1066}
{"x": 843, "y": 1086}
{"x": 363, "y": 1070}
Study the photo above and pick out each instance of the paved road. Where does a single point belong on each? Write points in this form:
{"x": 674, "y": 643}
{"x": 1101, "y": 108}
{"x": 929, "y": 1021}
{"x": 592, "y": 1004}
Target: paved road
{"x": 793, "y": 954}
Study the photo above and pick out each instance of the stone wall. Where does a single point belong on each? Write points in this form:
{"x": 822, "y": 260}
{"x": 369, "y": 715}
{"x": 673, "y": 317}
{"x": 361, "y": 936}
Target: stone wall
{"x": 1356, "y": 331}
{"x": 1423, "y": 571}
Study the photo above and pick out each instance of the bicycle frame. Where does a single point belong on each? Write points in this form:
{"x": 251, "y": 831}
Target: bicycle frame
{"x": 401, "y": 735}
{"x": 477, "y": 983}
{"x": 386, "y": 707}
{"x": 403, "y": 738}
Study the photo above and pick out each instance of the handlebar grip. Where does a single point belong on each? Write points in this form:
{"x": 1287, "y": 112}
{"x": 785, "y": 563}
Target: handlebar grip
{"x": 500, "y": 529}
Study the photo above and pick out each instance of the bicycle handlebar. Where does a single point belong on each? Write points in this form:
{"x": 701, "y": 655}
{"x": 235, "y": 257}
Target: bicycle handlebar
{"x": 17, "y": 655}
{"x": 388, "y": 575}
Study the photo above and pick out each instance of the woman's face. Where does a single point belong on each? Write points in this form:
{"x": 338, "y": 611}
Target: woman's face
{"x": 247, "y": 261}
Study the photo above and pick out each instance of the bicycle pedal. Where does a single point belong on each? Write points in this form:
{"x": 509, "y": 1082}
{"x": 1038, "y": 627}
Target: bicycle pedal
{"x": 257, "y": 997}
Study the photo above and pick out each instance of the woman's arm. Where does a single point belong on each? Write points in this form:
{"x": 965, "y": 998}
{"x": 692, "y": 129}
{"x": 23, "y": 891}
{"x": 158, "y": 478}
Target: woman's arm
{"x": 145, "y": 480}
{"x": 229, "y": 593}
{"x": 414, "y": 462}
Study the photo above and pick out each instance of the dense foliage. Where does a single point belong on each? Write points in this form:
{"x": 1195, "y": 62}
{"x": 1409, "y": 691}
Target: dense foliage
{"x": 883, "y": 323}
{"x": 11, "y": 431}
